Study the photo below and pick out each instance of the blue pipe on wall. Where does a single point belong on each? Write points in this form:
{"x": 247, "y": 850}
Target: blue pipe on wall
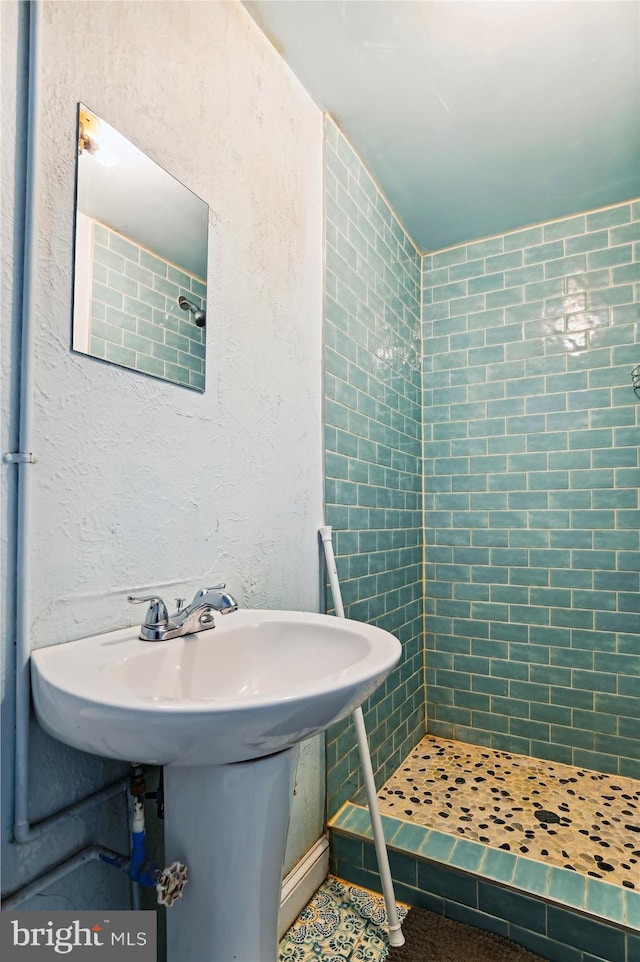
{"x": 137, "y": 867}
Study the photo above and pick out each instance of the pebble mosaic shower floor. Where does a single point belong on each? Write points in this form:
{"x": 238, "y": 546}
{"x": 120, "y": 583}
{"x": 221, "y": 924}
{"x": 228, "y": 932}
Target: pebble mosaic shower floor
{"x": 569, "y": 817}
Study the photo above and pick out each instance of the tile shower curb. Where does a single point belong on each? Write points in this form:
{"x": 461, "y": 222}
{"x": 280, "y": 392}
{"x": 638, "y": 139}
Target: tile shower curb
{"x": 591, "y": 897}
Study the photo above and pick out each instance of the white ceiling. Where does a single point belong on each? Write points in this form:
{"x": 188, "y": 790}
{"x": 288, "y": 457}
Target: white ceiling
{"x": 475, "y": 117}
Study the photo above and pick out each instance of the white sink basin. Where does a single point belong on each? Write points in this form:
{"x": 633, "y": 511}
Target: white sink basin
{"x": 259, "y": 682}
{"x": 244, "y": 692}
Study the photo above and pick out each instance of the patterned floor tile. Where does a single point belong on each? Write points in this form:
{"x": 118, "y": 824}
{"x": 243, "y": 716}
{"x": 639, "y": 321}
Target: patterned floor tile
{"x": 341, "y": 922}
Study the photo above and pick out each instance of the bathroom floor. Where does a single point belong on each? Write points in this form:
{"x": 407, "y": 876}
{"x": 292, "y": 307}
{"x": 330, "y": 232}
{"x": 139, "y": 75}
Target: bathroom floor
{"x": 341, "y": 923}
{"x": 569, "y": 817}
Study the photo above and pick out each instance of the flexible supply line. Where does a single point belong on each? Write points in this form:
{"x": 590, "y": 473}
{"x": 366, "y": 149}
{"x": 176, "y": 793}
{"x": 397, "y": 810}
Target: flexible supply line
{"x": 395, "y": 930}
{"x": 23, "y": 829}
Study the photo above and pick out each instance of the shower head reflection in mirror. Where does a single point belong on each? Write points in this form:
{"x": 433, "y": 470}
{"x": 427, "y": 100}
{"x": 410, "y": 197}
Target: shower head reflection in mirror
{"x": 199, "y": 315}
{"x": 140, "y": 251}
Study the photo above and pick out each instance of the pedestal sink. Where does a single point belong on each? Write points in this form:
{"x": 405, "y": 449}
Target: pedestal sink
{"x": 222, "y": 710}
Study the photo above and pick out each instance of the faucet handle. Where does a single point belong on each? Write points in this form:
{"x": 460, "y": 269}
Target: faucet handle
{"x": 201, "y": 592}
{"x": 157, "y": 613}
{"x": 218, "y": 597}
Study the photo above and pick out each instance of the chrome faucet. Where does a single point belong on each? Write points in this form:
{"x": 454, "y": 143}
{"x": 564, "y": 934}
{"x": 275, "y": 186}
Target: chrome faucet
{"x": 198, "y": 616}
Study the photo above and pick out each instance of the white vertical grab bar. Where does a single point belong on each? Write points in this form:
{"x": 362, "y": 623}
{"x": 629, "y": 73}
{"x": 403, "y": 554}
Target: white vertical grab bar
{"x": 395, "y": 931}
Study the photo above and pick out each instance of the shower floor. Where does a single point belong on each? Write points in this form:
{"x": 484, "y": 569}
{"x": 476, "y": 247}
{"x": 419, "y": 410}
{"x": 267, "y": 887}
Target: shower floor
{"x": 568, "y": 817}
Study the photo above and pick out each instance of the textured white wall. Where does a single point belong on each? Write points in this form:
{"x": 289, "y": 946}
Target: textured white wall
{"x": 140, "y": 484}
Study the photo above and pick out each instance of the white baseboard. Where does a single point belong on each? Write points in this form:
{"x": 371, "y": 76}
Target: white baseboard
{"x": 302, "y": 881}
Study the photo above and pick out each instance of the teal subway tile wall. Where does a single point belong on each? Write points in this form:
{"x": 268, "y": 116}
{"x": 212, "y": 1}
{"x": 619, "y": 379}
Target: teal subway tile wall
{"x": 135, "y": 318}
{"x": 373, "y": 415}
{"x": 531, "y": 490}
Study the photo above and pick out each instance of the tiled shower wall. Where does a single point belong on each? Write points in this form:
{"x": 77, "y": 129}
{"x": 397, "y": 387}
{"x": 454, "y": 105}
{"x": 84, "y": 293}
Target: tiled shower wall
{"x": 531, "y": 481}
{"x": 373, "y": 451}
{"x": 135, "y": 318}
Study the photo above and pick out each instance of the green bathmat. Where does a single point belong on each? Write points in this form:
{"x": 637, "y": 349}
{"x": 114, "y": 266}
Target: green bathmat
{"x": 433, "y": 938}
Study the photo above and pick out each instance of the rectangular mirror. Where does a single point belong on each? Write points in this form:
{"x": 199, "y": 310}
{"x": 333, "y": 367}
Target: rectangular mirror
{"x": 140, "y": 277}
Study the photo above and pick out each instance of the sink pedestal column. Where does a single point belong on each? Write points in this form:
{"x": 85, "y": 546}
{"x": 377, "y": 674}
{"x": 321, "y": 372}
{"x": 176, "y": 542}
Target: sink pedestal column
{"x": 228, "y": 824}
